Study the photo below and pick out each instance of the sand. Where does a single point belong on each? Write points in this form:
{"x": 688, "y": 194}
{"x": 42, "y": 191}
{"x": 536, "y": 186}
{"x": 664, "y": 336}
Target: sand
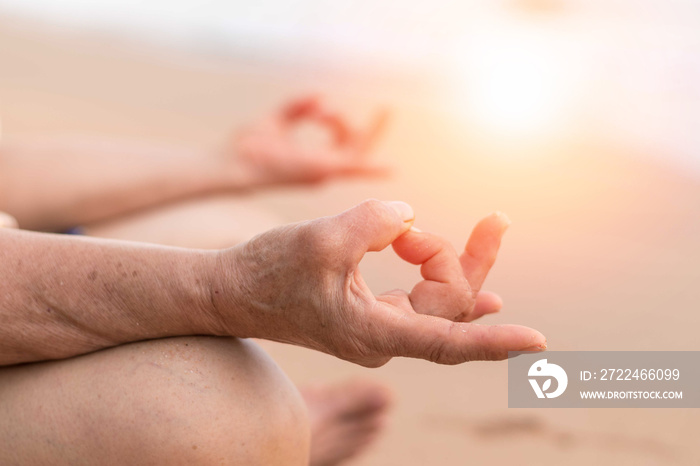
{"x": 603, "y": 252}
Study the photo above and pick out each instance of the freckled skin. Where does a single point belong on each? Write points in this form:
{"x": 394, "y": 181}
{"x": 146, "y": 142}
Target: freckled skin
{"x": 300, "y": 284}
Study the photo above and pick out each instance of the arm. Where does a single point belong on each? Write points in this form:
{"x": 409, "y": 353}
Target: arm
{"x": 60, "y": 183}
{"x": 62, "y": 296}
{"x": 300, "y": 284}
{"x": 56, "y": 184}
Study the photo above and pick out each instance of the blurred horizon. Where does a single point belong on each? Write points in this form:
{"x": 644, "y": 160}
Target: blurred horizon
{"x": 623, "y": 73}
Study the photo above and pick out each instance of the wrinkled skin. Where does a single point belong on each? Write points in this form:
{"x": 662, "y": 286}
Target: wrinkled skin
{"x": 301, "y": 284}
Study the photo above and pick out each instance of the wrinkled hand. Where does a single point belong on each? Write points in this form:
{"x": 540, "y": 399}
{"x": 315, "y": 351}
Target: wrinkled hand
{"x": 270, "y": 153}
{"x": 300, "y": 284}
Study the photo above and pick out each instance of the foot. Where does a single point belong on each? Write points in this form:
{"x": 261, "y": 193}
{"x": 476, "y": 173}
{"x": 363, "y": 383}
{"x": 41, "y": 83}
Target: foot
{"x": 345, "y": 418}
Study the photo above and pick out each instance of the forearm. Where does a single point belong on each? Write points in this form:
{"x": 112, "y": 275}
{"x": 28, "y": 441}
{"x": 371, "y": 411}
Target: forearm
{"x": 64, "y": 296}
{"x": 56, "y": 184}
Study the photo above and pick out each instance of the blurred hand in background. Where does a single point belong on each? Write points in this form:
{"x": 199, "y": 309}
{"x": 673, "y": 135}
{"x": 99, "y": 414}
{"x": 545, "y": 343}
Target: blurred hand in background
{"x": 271, "y": 152}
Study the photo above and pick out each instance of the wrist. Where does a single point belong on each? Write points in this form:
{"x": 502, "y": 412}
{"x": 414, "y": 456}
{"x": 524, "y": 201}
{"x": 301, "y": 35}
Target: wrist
{"x": 191, "y": 310}
{"x": 228, "y": 311}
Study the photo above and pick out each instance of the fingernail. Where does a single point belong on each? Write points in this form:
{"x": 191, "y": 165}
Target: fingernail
{"x": 404, "y": 210}
{"x": 504, "y": 218}
{"x": 416, "y": 230}
{"x": 536, "y": 348}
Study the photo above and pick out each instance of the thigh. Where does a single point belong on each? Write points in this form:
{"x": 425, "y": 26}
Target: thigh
{"x": 194, "y": 400}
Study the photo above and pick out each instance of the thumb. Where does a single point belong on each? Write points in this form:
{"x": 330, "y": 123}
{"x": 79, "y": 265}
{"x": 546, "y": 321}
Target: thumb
{"x": 373, "y": 225}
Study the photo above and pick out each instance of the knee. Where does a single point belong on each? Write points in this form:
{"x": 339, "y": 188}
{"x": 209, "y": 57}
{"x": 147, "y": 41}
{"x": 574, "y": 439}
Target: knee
{"x": 205, "y": 400}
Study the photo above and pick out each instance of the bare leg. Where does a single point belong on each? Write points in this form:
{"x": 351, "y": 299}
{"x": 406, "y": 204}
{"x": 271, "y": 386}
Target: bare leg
{"x": 211, "y": 223}
{"x": 194, "y": 400}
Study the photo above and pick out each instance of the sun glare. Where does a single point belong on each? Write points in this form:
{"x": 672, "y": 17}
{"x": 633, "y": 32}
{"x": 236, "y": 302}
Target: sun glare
{"x": 513, "y": 81}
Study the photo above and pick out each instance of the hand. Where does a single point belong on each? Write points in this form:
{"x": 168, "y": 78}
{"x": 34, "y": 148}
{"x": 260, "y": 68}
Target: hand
{"x": 300, "y": 284}
{"x": 269, "y": 153}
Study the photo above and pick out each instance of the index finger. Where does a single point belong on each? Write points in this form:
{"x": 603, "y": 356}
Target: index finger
{"x": 359, "y": 141}
{"x": 436, "y": 256}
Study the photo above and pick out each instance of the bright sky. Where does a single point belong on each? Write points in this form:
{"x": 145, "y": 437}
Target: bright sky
{"x": 633, "y": 66}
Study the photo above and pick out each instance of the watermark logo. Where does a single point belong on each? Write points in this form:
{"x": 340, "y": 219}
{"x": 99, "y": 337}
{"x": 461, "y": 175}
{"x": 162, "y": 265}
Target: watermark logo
{"x": 604, "y": 379}
{"x": 547, "y": 371}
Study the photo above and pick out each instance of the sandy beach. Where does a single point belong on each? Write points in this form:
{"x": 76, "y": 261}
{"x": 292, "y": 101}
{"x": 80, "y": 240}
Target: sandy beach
{"x": 602, "y": 254}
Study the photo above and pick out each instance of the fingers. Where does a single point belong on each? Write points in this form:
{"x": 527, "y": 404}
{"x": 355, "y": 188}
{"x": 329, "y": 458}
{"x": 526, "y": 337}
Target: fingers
{"x": 373, "y": 225}
{"x": 333, "y": 161}
{"x": 439, "y": 340}
{"x": 359, "y": 142}
{"x": 487, "y": 302}
{"x": 361, "y": 168}
{"x": 343, "y": 133}
{"x": 301, "y": 107}
{"x": 482, "y": 248}
{"x": 444, "y": 292}
{"x": 313, "y": 107}
{"x": 437, "y": 257}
